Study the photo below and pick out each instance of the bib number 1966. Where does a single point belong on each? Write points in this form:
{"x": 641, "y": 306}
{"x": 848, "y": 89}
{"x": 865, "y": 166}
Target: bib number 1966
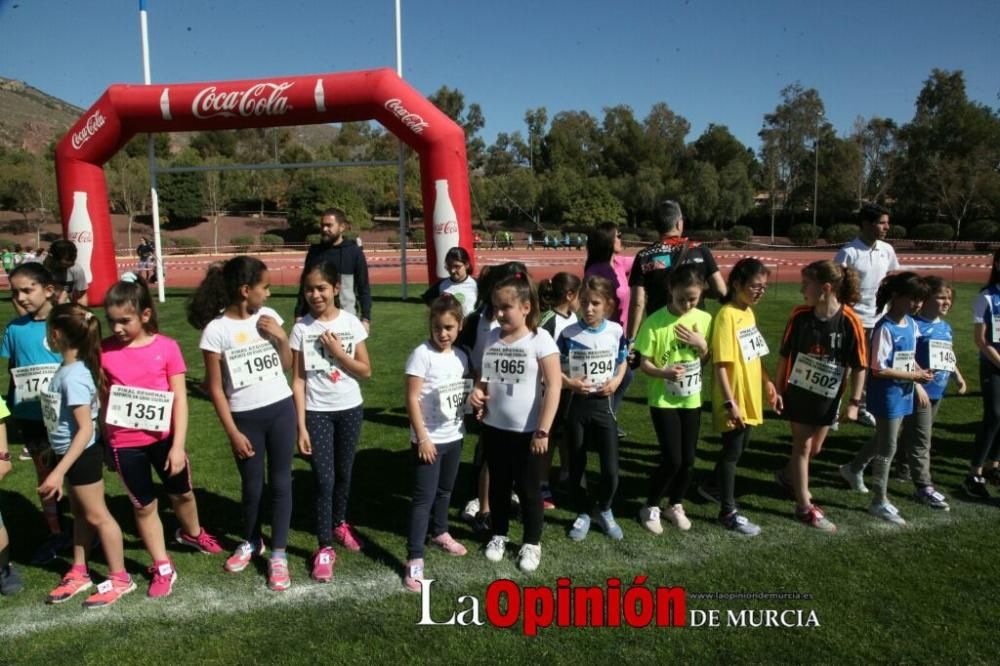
{"x": 253, "y": 364}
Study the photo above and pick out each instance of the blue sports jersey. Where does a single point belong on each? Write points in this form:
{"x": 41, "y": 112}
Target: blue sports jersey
{"x": 933, "y": 330}
{"x": 891, "y": 398}
{"x": 986, "y": 306}
{"x": 24, "y": 344}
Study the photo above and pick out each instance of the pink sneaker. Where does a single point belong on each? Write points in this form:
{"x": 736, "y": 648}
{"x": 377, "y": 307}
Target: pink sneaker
{"x": 414, "y": 573}
{"x": 322, "y": 565}
{"x": 72, "y": 584}
{"x": 204, "y": 542}
{"x": 109, "y": 592}
{"x": 277, "y": 574}
{"x": 241, "y": 557}
{"x": 347, "y": 536}
{"x": 446, "y": 543}
{"x": 164, "y": 576}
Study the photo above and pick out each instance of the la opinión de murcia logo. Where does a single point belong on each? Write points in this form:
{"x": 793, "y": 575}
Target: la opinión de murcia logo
{"x": 261, "y": 99}
{"x": 414, "y": 121}
{"x": 448, "y": 227}
{"x": 94, "y": 123}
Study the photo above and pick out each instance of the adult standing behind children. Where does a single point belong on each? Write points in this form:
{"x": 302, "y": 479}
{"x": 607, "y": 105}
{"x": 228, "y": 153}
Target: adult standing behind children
{"x": 873, "y": 259}
{"x": 70, "y": 278}
{"x": 355, "y": 290}
{"x": 652, "y": 266}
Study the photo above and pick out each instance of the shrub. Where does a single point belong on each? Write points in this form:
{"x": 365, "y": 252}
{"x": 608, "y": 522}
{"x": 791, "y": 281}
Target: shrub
{"x": 803, "y": 234}
{"x": 981, "y": 230}
{"x": 187, "y": 244}
{"x": 631, "y": 238}
{"x": 242, "y": 243}
{"x": 312, "y": 239}
{"x": 271, "y": 242}
{"x": 936, "y": 231}
{"x": 841, "y": 233}
{"x": 705, "y": 235}
{"x": 896, "y": 231}
{"x": 6, "y": 242}
{"x": 740, "y": 234}
{"x": 417, "y": 235}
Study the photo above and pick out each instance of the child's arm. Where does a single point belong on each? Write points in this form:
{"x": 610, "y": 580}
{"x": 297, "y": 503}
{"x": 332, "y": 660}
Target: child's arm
{"x": 774, "y": 398}
{"x": 960, "y": 380}
{"x": 426, "y": 450}
{"x": 177, "y": 458}
{"x": 987, "y": 349}
{"x": 552, "y": 376}
{"x": 728, "y": 402}
{"x": 213, "y": 377}
{"x": 299, "y": 397}
{"x": 782, "y": 384}
{"x": 358, "y": 365}
{"x": 612, "y": 384}
{"x": 270, "y": 328}
{"x": 919, "y": 376}
{"x": 52, "y": 486}
{"x": 479, "y": 396}
{"x": 5, "y": 465}
{"x": 857, "y": 390}
{"x": 577, "y": 385}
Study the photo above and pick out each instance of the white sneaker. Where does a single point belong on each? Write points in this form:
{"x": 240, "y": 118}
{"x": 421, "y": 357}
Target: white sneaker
{"x": 856, "y": 481}
{"x": 675, "y": 514}
{"x": 866, "y": 418}
{"x": 529, "y": 557}
{"x": 496, "y": 547}
{"x": 649, "y": 516}
{"x": 887, "y": 512}
{"x": 470, "y": 510}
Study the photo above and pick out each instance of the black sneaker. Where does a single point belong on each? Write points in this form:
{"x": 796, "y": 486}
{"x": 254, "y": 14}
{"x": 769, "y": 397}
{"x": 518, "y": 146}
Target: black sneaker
{"x": 975, "y": 487}
{"x": 51, "y": 548}
{"x": 10, "y": 581}
{"x": 482, "y": 523}
{"x": 992, "y": 476}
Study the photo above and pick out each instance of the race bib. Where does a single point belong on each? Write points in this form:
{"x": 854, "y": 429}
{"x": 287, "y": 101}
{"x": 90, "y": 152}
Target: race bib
{"x": 50, "y": 409}
{"x": 505, "y": 365}
{"x": 316, "y": 356}
{"x": 140, "y": 409}
{"x": 752, "y": 343}
{"x": 688, "y": 383}
{"x": 905, "y": 361}
{"x": 996, "y": 327}
{"x": 253, "y": 364}
{"x": 32, "y": 380}
{"x": 595, "y": 365}
{"x": 942, "y": 356}
{"x": 453, "y": 399}
{"x": 816, "y": 376}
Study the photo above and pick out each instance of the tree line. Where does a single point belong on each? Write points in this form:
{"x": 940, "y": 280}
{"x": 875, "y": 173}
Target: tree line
{"x": 939, "y": 172}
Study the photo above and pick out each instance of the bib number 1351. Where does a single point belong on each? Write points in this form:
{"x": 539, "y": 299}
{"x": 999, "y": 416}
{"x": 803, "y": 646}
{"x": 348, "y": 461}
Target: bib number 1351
{"x": 140, "y": 409}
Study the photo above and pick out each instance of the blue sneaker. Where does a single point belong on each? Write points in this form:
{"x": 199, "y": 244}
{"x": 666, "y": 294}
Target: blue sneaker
{"x": 10, "y": 581}
{"x": 607, "y": 522}
{"x": 739, "y": 524}
{"x": 580, "y": 527}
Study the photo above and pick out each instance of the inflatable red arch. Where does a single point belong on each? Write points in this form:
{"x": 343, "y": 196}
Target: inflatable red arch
{"x": 125, "y": 110}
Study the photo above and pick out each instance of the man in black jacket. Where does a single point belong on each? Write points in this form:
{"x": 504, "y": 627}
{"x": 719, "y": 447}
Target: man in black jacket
{"x": 355, "y": 290}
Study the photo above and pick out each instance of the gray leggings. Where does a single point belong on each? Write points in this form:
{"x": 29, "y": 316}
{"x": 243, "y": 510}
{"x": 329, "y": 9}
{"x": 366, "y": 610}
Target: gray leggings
{"x": 879, "y": 451}
{"x": 271, "y": 431}
{"x": 987, "y": 446}
{"x": 334, "y": 437}
{"x": 915, "y": 444}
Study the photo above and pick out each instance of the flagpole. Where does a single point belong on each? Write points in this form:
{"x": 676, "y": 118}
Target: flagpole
{"x": 401, "y": 184}
{"x": 151, "y": 152}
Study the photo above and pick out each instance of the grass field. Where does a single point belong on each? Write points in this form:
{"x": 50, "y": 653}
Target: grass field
{"x": 921, "y": 593}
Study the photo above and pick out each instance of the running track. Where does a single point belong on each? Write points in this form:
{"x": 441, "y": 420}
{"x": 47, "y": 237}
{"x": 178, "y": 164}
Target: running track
{"x": 384, "y": 267}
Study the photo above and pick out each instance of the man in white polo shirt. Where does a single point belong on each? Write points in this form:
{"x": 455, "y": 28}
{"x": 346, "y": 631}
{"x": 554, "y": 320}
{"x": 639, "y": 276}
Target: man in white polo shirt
{"x": 873, "y": 259}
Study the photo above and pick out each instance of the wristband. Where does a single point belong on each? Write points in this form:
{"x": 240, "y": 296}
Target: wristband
{"x": 541, "y": 434}
{"x": 854, "y": 403}
{"x": 4, "y": 456}
{"x": 728, "y": 404}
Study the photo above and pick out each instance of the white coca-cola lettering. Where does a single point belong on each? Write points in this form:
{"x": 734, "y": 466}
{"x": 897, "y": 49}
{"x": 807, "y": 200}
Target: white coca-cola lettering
{"x": 260, "y": 99}
{"x": 414, "y": 121}
{"x": 94, "y": 123}
{"x": 81, "y": 237}
{"x": 449, "y": 227}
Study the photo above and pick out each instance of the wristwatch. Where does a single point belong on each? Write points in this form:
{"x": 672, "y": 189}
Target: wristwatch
{"x": 727, "y": 404}
{"x": 541, "y": 434}
{"x": 4, "y": 456}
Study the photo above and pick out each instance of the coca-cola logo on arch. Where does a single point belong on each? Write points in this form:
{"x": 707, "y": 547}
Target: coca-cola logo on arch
{"x": 94, "y": 123}
{"x": 84, "y": 236}
{"x": 414, "y": 121}
{"x": 447, "y": 227}
{"x": 260, "y": 99}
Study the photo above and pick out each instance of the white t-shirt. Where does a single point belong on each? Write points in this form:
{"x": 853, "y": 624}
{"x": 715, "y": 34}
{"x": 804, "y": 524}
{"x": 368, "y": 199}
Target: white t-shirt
{"x": 873, "y": 264}
{"x": 515, "y": 402}
{"x": 329, "y": 388}
{"x": 442, "y": 372}
{"x": 224, "y": 333}
{"x": 465, "y": 292}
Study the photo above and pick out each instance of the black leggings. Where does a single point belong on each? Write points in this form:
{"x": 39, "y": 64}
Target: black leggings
{"x": 509, "y": 459}
{"x": 987, "y": 445}
{"x": 591, "y": 424}
{"x": 733, "y": 443}
{"x": 432, "y": 485}
{"x": 677, "y": 432}
{"x": 272, "y": 432}
{"x": 334, "y": 437}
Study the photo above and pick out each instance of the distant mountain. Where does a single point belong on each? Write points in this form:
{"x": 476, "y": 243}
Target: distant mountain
{"x": 30, "y": 119}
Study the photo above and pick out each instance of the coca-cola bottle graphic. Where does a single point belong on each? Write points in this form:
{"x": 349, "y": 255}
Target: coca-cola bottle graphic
{"x": 80, "y": 231}
{"x": 445, "y": 226}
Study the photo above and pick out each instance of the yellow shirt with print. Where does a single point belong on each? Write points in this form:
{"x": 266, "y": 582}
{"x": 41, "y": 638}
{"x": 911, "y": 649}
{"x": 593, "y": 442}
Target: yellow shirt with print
{"x": 744, "y": 376}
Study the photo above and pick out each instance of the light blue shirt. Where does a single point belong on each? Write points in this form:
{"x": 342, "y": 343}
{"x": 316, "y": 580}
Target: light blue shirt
{"x": 76, "y": 387}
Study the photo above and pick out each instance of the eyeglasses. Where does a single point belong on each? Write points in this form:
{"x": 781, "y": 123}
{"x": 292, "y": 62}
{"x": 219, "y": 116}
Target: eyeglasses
{"x": 757, "y": 288}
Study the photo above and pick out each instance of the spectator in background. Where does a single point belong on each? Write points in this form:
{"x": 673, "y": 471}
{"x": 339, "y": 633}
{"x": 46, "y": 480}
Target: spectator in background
{"x": 146, "y": 252}
{"x": 355, "y": 291}
{"x": 70, "y": 279}
{"x": 8, "y": 259}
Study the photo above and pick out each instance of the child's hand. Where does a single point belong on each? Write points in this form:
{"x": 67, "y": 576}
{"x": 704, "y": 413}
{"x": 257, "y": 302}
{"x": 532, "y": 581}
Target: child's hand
{"x": 176, "y": 461}
{"x": 735, "y": 416}
{"x": 332, "y": 343}
{"x": 304, "y": 443}
{"x": 692, "y": 338}
{"x": 774, "y": 398}
{"x": 539, "y": 445}
{"x": 477, "y": 400}
{"x": 427, "y": 452}
{"x": 269, "y": 327}
{"x": 922, "y": 398}
{"x": 51, "y": 487}
{"x": 241, "y": 446}
{"x": 579, "y": 385}
{"x": 5, "y": 468}
{"x": 962, "y": 386}
{"x": 608, "y": 387}
{"x": 673, "y": 372}
{"x": 922, "y": 376}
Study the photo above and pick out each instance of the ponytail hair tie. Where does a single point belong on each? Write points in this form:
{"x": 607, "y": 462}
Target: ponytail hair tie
{"x": 129, "y": 277}
{"x": 88, "y": 315}
{"x": 519, "y": 275}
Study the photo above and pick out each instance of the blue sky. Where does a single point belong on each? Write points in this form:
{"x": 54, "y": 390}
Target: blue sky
{"x": 711, "y": 61}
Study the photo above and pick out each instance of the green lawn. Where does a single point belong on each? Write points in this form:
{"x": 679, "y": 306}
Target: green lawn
{"x": 880, "y": 594}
